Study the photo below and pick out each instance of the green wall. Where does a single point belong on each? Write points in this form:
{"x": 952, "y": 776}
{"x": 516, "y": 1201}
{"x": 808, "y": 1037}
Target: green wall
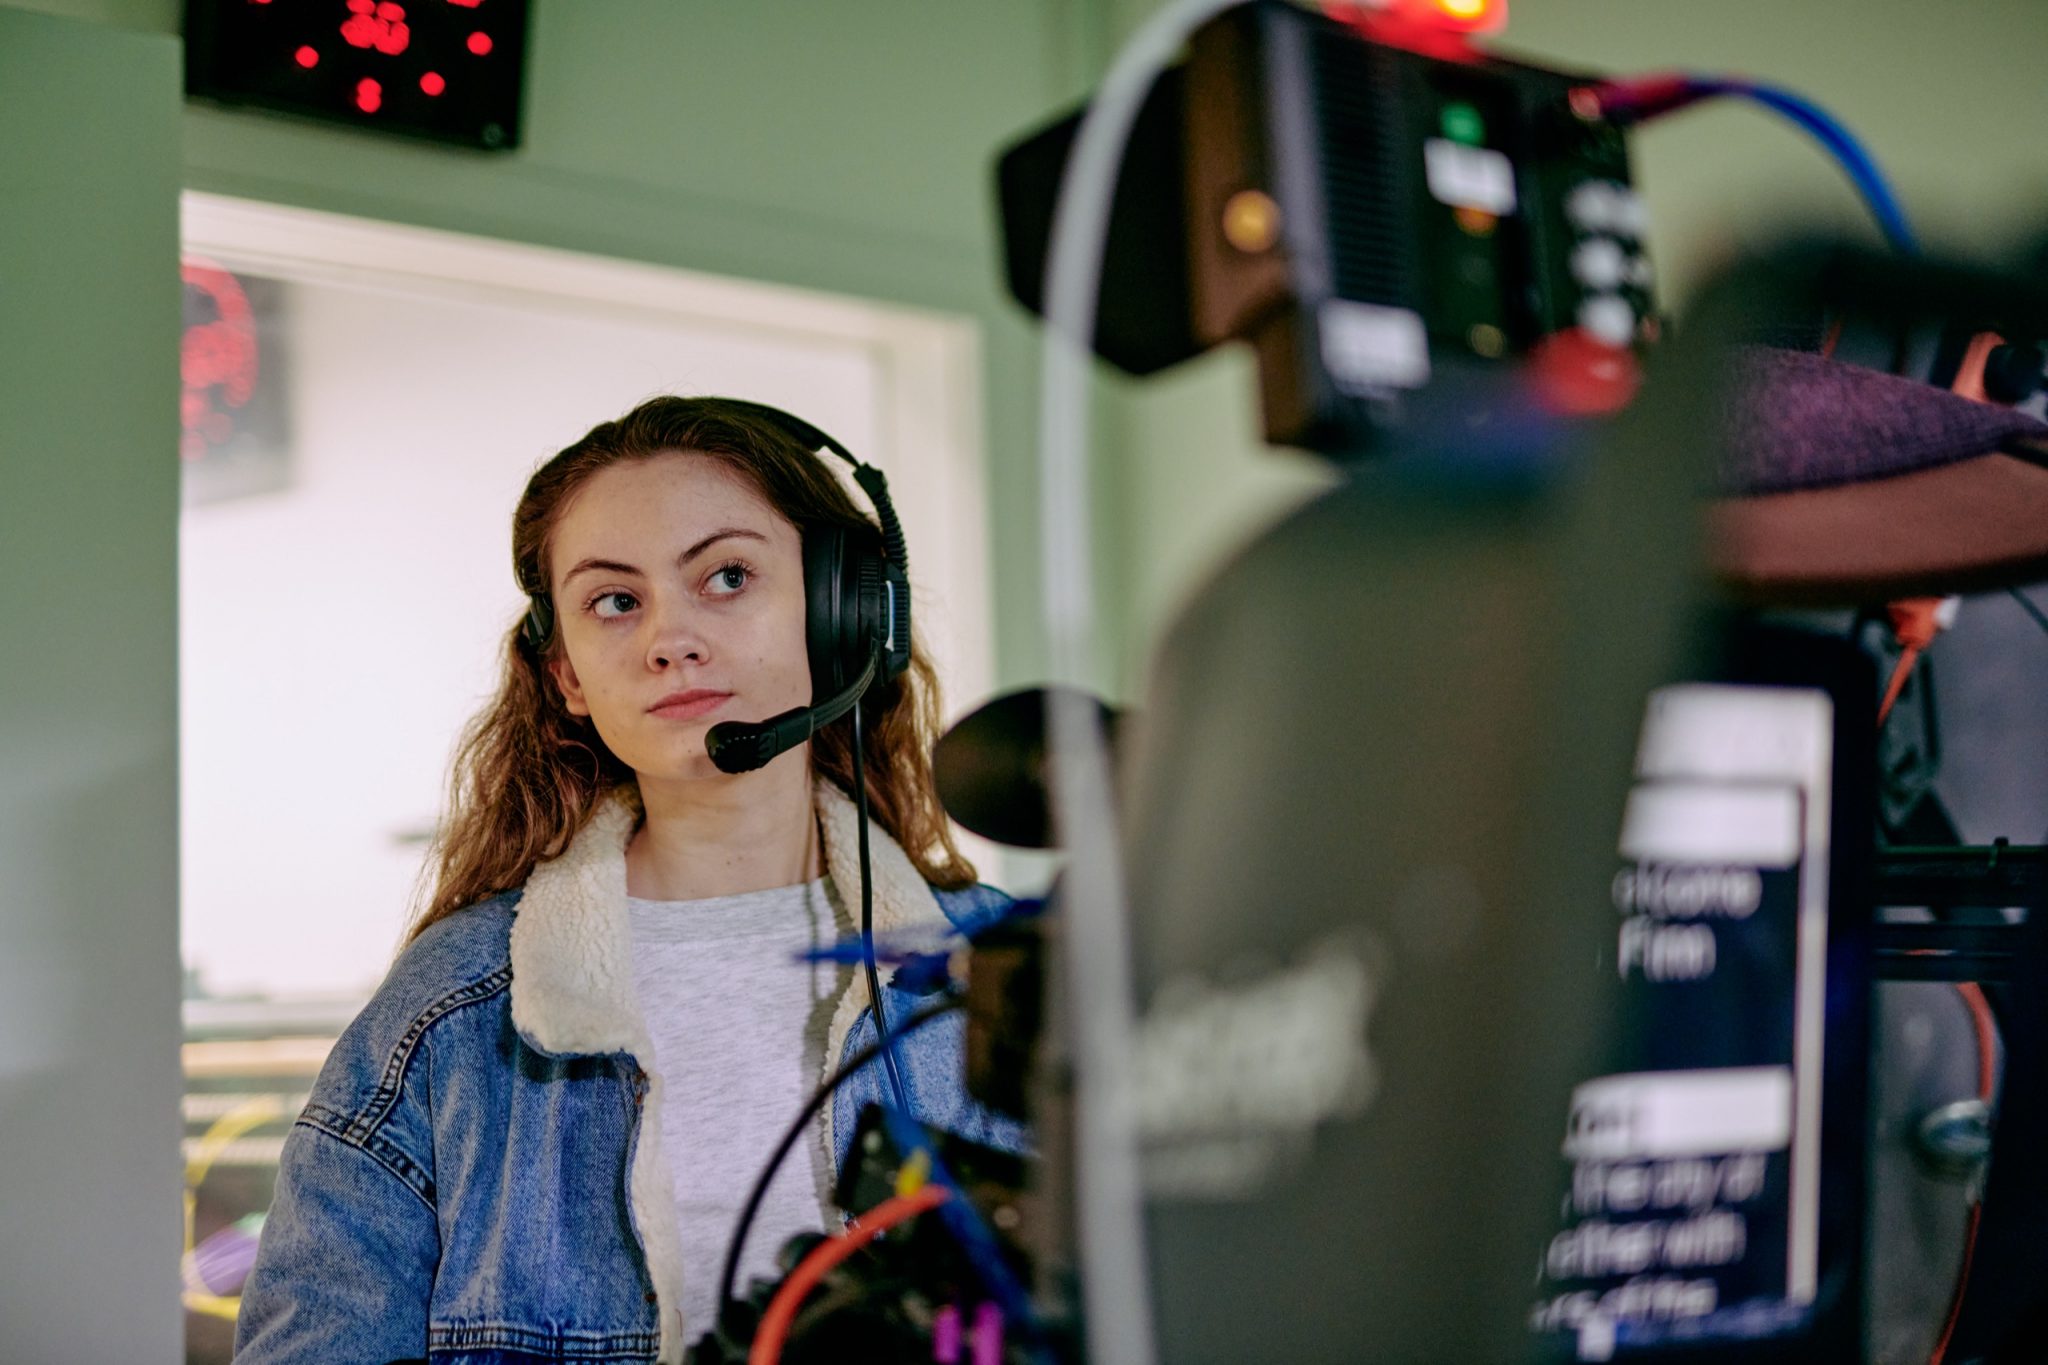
{"x": 89, "y": 1165}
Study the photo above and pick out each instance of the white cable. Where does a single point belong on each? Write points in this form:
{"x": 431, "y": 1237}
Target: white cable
{"x": 1109, "y": 1212}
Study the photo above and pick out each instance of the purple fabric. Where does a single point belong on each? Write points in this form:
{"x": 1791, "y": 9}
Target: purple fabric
{"x": 223, "y": 1261}
{"x": 1798, "y": 420}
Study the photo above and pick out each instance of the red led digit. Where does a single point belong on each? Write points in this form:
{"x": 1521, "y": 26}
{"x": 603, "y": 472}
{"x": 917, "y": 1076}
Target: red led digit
{"x": 465, "y": 4}
{"x": 374, "y": 25}
{"x": 396, "y": 35}
{"x": 480, "y": 43}
{"x": 360, "y": 28}
{"x": 305, "y": 56}
{"x": 432, "y": 83}
{"x": 369, "y": 95}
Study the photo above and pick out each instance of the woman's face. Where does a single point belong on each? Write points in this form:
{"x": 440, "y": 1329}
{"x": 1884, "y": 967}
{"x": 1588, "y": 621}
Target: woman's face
{"x": 680, "y": 597}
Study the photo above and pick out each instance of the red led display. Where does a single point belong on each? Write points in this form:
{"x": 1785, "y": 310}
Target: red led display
{"x": 405, "y": 66}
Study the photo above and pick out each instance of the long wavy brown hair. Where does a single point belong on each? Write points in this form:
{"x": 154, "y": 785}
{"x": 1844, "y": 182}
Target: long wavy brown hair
{"x": 527, "y": 774}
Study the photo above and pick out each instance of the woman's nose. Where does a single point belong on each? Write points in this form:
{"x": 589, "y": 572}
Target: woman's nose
{"x": 676, "y": 638}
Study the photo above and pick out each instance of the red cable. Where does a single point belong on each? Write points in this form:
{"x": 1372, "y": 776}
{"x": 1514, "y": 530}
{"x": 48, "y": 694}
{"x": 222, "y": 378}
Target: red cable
{"x": 1900, "y": 672}
{"x": 767, "y": 1348}
{"x": 1640, "y": 97}
{"x": 1915, "y": 623}
{"x": 1987, "y": 1086}
{"x": 1955, "y": 1304}
{"x": 1987, "y": 1038}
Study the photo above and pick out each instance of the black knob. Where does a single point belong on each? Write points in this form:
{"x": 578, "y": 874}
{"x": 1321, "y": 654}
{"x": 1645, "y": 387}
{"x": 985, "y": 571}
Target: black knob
{"x": 2012, "y": 371}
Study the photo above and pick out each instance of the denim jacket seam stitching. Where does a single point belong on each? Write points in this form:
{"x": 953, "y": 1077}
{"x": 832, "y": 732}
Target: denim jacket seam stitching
{"x": 558, "y": 1341}
{"x": 385, "y": 1097}
{"x": 403, "y": 1169}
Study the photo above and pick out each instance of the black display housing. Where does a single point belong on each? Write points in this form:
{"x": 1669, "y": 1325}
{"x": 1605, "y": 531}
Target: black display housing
{"x": 443, "y": 70}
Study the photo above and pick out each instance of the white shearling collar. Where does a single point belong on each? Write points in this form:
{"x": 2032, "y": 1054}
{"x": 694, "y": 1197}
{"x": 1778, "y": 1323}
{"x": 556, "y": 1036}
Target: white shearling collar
{"x": 572, "y": 973}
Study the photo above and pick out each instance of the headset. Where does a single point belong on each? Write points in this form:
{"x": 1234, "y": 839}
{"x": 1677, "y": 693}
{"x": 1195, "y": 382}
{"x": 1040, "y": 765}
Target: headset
{"x": 856, "y": 611}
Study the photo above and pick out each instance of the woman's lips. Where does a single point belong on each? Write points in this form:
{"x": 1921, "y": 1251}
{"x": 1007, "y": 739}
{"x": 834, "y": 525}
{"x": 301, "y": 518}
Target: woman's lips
{"x": 689, "y": 705}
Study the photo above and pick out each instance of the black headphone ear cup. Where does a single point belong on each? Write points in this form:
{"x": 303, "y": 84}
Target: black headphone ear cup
{"x": 872, "y": 598}
{"x": 826, "y": 616}
{"x": 846, "y": 606}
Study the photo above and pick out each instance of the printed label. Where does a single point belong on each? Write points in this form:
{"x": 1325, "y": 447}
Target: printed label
{"x": 1468, "y": 177}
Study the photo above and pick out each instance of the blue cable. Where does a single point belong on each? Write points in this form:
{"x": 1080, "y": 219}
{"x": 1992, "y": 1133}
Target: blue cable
{"x": 1861, "y": 167}
{"x": 965, "y": 1224}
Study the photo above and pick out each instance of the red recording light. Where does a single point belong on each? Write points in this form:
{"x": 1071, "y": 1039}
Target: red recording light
{"x": 369, "y": 95}
{"x": 432, "y": 83}
{"x": 1466, "y": 11}
{"x": 1440, "y": 16}
{"x": 480, "y": 43}
{"x": 305, "y": 56}
{"x": 1458, "y": 16}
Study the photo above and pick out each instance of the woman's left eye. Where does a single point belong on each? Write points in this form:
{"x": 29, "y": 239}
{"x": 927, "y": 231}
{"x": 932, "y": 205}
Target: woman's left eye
{"x": 608, "y": 606}
{"x": 728, "y": 580}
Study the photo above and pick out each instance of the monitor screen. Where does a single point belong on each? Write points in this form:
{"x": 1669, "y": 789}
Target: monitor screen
{"x": 1696, "y": 1212}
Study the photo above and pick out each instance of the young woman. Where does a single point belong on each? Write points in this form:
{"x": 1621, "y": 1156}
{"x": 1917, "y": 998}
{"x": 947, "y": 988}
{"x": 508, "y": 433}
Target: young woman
{"x": 534, "y": 1142}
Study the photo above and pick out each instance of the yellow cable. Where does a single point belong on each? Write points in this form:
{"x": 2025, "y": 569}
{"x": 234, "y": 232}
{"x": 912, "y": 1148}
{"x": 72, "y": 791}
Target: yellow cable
{"x": 916, "y": 1171}
{"x": 252, "y": 1113}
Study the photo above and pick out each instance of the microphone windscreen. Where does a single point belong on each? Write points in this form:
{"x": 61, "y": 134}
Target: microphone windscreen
{"x": 735, "y": 747}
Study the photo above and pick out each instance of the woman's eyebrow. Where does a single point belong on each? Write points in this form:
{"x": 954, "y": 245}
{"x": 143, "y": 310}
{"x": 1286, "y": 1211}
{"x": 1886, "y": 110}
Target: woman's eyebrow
{"x": 615, "y": 566}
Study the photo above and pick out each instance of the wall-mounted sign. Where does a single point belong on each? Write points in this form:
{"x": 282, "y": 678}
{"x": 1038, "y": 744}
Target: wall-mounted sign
{"x": 443, "y": 69}
{"x": 233, "y": 416}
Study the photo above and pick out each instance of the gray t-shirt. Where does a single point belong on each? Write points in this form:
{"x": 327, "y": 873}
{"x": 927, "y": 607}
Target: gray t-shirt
{"x": 738, "y": 1026}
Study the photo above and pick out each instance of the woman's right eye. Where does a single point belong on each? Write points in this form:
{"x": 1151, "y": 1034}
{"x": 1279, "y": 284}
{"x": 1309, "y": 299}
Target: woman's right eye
{"x": 613, "y": 604}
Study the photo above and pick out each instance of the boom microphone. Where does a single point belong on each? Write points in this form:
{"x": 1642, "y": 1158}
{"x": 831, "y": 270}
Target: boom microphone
{"x": 741, "y": 746}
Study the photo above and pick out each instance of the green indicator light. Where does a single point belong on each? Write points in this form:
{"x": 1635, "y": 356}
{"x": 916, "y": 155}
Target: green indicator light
{"x": 1461, "y": 123}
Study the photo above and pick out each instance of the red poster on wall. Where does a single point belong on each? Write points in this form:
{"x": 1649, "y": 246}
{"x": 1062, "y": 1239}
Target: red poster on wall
{"x": 233, "y": 413}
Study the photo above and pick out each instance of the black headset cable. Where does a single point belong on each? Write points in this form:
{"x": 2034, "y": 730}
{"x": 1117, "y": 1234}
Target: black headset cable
{"x": 867, "y": 911}
{"x": 2031, "y": 609}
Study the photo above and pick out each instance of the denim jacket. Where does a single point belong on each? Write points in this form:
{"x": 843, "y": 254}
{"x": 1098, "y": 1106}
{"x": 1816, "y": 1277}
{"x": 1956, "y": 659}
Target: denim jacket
{"x": 478, "y": 1175}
